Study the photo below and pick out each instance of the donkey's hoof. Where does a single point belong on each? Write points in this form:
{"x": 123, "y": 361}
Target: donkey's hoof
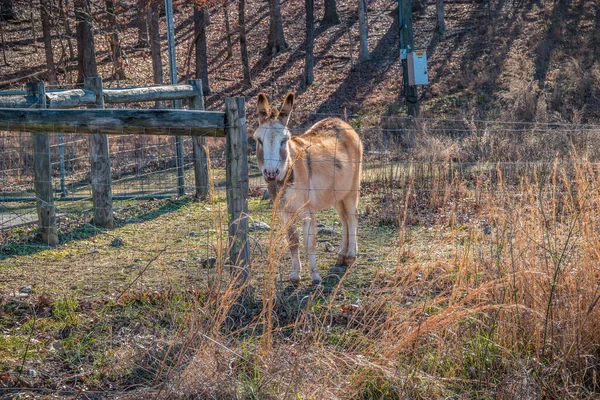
{"x": 316, "y": 279}
{"x": 350, "y": 260}
{"x": 337, "y": 270}
{"x": 294, "y": 279}
{"x": 341, "y": 261}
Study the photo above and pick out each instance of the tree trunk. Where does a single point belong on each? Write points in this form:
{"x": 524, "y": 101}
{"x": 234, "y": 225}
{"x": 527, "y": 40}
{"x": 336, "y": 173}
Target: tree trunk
{"x": 200, "y": 19}
{"x": 63, "y": 6}
{"x": 3, "y": 39}
{"x": 331, "y": 16}
{"x": 363, "y": 50}
{"x": 7, "y": 10}
{"x": 441, "y": 25}
{"x": 154, "y": 35}
{"x": 310, "y": 42}
{"x": 45, "y": 14}
{"x": 86, "y": 53}
{"x": 228, "y": 31}
{"x": 115, "y": 45}
{"x": 276, "y": 43}
{"x": 243, "y": 47}
{"x": 142, "y": 24}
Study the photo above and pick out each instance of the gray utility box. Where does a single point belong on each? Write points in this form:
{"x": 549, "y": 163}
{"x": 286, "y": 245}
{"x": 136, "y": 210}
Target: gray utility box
{"x": 417, "y": 68}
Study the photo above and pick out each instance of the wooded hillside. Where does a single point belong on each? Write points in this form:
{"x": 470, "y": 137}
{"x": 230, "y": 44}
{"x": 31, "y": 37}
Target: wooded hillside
{"x": 522, "y": 60}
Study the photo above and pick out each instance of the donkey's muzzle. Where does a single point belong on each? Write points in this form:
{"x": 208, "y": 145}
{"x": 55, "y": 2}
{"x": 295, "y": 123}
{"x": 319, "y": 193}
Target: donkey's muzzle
{"x": 270, "y": 174}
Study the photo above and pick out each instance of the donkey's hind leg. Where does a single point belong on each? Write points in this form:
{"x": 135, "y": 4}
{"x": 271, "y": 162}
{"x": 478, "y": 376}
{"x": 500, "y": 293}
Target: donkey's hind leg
{"x": 341, "y": 209}
{"x": 351, "y": 206}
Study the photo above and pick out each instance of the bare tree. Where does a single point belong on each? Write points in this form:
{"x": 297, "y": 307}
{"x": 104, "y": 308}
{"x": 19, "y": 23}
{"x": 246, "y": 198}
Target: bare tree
{"x": 63, "y": 6}
{"x": 115, "y": 44}
{"x": 86, "y": 52}
{"x": 7, "y": 10}
{"x": 243, "y": 46}
{"x": 363, "y": 50}
{"x": 154, "y": 36}
{"x": 45, "y": 16}
{"x": 200, "y": 21}
{"x": 227, "y": 30}
{"x": 310, "y": 43}
{"x": 276, "y": 42}
{"x": 3, "y": 39}
{"x": 142, "y": 24}
{"x": 441, "y": 25}
{"x": 331, "y": 16}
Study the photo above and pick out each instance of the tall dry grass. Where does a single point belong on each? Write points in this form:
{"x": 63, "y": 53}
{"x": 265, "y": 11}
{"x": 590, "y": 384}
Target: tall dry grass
{"x": 513, "y": 313}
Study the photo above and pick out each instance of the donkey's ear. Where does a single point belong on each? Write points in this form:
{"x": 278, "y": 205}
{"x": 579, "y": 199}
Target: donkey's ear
{"x": 263, "y": 108}
{"x": 286, "y": 109}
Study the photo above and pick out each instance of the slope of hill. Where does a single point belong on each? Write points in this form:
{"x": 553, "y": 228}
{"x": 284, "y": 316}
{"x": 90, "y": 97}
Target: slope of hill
{"x": 528, "y": 60}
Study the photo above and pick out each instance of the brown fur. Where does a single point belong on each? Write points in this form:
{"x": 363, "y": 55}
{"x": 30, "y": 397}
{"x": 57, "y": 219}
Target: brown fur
{"x": 319, "y": 169}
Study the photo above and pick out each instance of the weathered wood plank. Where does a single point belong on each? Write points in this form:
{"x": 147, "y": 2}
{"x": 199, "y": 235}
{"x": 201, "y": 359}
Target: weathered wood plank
{"x": 81, "y": 97}
{"x": 115, "y": 121}
{"x": 70, "y": 98}
{"x": 200, "y": 153}
{"x": 100, "y": 165}
{"x": 237, "y": 185}
{"x": 18, "y": 101}
{"x": 43, "y": 173}
{"x": 153, "y": 93}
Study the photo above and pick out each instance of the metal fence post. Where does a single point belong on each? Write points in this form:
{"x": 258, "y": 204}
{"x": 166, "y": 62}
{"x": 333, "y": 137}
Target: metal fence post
{"x": 200, "y": 157}
{"x": 100, "y": 165}
{"x": 61, "y": 155}
{"x": 237, "y": 185}
{"x": 179, "y": 160}
{"x": 43, "y": 173}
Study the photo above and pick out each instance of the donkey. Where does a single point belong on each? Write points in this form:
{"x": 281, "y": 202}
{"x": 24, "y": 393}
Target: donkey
{"x": 307, "y": 173}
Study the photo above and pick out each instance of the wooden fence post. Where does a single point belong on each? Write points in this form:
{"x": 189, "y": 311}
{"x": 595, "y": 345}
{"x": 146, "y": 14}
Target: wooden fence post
{"x": 200, "y": 158}
{"x": 43, "y": 173}
{"x": 100, "y": 165}
{"x": 237, "y": 185}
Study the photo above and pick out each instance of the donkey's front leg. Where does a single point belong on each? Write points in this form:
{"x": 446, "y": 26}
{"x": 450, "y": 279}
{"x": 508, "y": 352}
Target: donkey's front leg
{"x": 294, "y": 243}
{"x": 309, "y": 224}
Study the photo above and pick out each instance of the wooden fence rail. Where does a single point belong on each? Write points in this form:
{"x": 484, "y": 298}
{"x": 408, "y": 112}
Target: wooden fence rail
{"x": 28, "y": 111}
{"x": 115, "y": 121}
{"x": 83, "y": 97}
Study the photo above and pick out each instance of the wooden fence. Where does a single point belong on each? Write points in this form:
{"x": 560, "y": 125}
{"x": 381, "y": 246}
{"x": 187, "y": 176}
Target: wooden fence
{"x": 43, "y": 113}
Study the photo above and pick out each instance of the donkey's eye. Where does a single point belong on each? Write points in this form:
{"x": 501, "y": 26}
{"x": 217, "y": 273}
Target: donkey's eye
{"x": 284, "y": 142}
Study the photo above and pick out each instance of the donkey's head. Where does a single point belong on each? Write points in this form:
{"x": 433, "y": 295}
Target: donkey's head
{"x": 272, "y": 138}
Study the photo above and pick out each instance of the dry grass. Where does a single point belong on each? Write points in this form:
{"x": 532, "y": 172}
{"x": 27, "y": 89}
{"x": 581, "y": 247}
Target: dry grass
{"x": 513, "y": 314}
{"x": 492, "y": 291}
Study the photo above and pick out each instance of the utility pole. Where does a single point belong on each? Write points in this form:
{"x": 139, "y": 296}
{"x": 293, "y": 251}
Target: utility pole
{"x": 177, "y": 103}
{"x": 407, "y": 46}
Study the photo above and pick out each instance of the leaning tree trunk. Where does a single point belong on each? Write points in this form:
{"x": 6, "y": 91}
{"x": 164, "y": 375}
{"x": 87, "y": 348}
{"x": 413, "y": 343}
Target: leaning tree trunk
{"x": 331, "y": 16}
{"x": 200, "y": 19}
{"x": 154, "y": 35}
{"x": 310, "y": 42}
{"x": 45, "y": 14}
{"x": 276, "y": 43}
{"x": 363, "y": 50}
{"x": 243, "y": 46}
{"x": 142, "y": 24}
{"x": 86, "y": 53}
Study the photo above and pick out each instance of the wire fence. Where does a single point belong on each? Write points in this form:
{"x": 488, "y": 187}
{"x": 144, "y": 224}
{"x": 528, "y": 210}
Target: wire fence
{"x": 121, "y": 300}
{"x": 415, "y": 173}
